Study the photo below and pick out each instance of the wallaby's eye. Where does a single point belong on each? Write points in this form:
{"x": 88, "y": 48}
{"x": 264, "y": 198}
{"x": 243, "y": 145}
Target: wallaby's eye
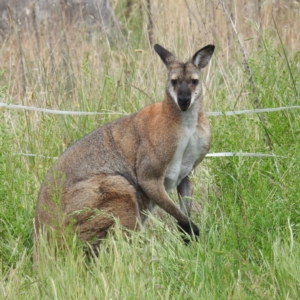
{"x": 174, "y": 82}
{"x": 195, "y": 81}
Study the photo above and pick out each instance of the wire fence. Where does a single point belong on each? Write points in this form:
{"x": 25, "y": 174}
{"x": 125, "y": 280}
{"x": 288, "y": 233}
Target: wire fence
{"x": 216, "y": 154}
{"x": 213, "y": 114}
{"x": 85, "y": 113}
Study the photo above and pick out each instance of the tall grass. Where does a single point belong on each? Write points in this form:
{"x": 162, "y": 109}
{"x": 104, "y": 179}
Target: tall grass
{"x": 247, "y": 208}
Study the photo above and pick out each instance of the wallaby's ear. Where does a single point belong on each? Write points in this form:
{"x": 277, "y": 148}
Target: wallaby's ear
{"x": 203, "y": 56}
{"x": 166, "y": 56}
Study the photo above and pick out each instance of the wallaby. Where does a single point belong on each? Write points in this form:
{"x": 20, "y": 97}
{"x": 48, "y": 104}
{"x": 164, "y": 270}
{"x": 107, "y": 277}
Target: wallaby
{"x": 127, "y": 167}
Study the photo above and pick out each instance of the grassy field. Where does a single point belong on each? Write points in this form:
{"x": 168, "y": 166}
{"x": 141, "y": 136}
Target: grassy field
{"x": 248, "y": 208}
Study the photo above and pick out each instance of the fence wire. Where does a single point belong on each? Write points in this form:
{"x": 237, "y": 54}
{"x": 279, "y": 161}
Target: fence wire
{"x": 85, "y": 113}
{"x": 212, "y": 114}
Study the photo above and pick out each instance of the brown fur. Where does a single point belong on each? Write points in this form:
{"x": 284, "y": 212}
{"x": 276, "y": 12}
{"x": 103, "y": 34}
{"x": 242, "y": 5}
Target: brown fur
{"x": 118, "y": 170}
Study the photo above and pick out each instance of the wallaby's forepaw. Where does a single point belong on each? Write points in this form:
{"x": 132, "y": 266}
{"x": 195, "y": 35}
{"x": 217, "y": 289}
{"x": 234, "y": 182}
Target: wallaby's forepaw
{"x": 188, "y": 228}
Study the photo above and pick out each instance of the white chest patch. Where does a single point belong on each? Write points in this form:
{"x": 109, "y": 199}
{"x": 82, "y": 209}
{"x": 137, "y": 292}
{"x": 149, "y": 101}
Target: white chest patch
{"x": 192, "y": 147}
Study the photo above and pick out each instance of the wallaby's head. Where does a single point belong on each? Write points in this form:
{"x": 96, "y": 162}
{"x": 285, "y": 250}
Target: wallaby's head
{"x": 184, "y": 82}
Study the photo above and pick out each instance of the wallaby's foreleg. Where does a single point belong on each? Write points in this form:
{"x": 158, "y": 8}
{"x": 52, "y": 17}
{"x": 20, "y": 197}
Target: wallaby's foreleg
{"x": 184, "y": 191}
{"x": 156, "y": 192}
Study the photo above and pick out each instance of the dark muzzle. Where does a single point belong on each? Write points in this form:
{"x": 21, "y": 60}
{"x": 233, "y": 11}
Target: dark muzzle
{"x": 184, "y": 102}
{"x": 184, "y": 96}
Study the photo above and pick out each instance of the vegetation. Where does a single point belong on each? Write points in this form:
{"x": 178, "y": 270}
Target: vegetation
{"x": 248, "y": 208}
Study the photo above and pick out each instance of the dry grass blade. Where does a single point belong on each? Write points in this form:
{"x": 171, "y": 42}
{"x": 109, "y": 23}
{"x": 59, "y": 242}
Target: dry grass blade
{"x": 256, "y": 101}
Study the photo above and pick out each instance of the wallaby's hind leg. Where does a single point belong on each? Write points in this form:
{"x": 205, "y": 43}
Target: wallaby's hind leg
{"x": 95, "y": 203}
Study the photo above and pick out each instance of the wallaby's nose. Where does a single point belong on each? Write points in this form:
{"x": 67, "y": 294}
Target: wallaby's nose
{"x": 184, "y": 102}
{"x": 184, "y": 96}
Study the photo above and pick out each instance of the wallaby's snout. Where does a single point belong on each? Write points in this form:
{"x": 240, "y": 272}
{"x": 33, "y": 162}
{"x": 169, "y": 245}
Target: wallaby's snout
{"x": 184, "y": 96}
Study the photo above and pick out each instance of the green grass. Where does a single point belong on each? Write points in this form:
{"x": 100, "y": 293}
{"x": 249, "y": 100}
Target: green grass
{"x": 249, "y": 247}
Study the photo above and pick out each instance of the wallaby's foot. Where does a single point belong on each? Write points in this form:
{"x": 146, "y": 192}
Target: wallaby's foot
{"x": 92, "y": 250}
{"x": 188, "y": 228}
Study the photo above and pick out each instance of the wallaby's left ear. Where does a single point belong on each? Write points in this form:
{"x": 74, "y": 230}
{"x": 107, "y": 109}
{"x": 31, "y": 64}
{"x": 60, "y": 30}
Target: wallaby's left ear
{"x": 203, "y": 56}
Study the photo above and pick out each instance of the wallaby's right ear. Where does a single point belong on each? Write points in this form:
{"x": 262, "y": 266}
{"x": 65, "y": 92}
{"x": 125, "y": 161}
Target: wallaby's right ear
{"x": 166, "y": 56}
